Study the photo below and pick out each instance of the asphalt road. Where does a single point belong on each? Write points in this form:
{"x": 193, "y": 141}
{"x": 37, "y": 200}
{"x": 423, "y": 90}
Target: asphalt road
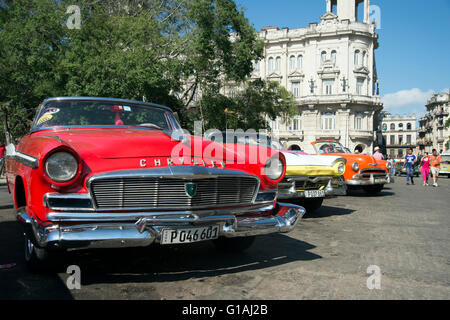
{"x": 404, "y": 231}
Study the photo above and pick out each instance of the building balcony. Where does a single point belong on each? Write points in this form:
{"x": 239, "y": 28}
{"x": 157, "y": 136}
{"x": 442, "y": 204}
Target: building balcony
{"x": 328, "y": 134}
{"x": 290, "y": 134}
{"x": 361, "y": 134}
{"x": 339, "y": 99}
{"x": 423, "y": 119}
{"x": 422, "y": 130}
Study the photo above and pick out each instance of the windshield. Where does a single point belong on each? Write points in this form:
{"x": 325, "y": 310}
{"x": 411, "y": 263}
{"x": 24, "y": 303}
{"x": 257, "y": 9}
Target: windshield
{"x": 445, "y": 159}
{"x": 329, "y": 147}
{"x": 103, "y": 113}
{"x": 252, "y": 139}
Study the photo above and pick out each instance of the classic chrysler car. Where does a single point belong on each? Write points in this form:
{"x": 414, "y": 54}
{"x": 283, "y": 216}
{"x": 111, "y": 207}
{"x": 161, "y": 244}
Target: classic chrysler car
{"x": 363, "y": 171}
{"x": 309, "y": 178}
{"x": 110, "y": 173}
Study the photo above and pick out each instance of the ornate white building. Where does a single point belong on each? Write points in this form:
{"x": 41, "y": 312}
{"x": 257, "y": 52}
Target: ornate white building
{"x": 432, "y": 132}
{"x": 400, "y": 134}
{"x": 330, "y": 69}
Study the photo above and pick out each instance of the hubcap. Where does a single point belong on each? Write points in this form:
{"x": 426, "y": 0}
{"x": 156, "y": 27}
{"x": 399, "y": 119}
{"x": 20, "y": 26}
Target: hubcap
{"x": 29, "y": 247}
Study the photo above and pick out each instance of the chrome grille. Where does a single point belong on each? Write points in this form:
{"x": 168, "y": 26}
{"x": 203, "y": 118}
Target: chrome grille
{"x": 301, "y": 185}
{"x": 154, "y": 192}
{"x": 365, "y": 173}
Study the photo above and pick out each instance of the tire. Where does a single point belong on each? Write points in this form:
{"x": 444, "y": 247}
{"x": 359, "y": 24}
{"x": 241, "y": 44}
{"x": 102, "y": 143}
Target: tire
{"x": 239, "y": 244}
{"x": 373, "y": 190}
{"x": 40, "y": 259}
{"x": 312, "y": 205}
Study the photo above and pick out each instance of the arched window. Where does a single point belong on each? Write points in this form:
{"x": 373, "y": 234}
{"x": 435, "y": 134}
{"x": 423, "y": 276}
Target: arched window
{"x": 270, "y": 65}
{"x": 333, "y": 56}
{"x": 408, "y": 126}
{"x": 292, "y": 63}
{"x": 278, "y": 64}
{"x": 356, "y": 58}
{"x": 384, "y": 126}
{"x": 323, "y": 56}
{"x": 400, "y": 126}
{"x": 392, "y": 126}
{"x": 300, "y": 62}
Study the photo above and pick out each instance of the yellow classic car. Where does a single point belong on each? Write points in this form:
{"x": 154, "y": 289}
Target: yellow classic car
{"x": 309, "y": 178}
{"x": 445, "y": 165}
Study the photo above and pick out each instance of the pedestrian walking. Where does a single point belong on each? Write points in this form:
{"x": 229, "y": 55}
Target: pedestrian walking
{"x": 425, "y": 163}
{"x": 392, "y": 162}
{"x": 378, "y": 155}
{"x": 410, "y": 160}
{"x": 435, "y": 162}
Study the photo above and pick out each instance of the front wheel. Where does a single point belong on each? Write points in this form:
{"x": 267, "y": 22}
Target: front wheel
{"x": 312, "y": 205}
{"x": 238, "y": 244}
{"x": 373, "y": 190}
{"x": 40, "y": 259}
{"x": 37, "y": 259}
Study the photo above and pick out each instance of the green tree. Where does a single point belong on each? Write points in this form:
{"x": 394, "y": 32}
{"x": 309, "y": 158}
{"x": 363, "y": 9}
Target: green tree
{"x": 165, "y": 51}
{"x": 250, "y": 108}
{"x": 30, "y": 44}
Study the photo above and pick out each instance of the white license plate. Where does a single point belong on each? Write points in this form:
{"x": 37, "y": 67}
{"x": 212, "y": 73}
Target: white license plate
{"x": 314, "y": 193}
{"x": 189, "y": 235}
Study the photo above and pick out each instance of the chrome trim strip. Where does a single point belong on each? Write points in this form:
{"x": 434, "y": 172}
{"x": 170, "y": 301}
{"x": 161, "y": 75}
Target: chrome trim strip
{"x": 374, "y": 179}
{"x": 24, "y": 159}
{"x": 117, "y": 235}
{"x": 176, "y": 216}
{"x": 308, "y": 178}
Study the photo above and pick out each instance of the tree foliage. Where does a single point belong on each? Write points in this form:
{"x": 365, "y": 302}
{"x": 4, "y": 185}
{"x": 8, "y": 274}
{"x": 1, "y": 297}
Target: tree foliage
{"x": 164, "y": 51}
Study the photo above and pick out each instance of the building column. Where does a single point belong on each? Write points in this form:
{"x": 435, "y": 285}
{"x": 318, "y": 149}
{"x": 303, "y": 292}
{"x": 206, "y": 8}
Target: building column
{"x": 366, "y": 10}
{"x": 328, "y": 5}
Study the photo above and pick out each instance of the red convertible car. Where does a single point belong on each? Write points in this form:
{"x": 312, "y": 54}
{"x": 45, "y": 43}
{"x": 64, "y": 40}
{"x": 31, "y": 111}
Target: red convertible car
{"x": 110, "y": 173}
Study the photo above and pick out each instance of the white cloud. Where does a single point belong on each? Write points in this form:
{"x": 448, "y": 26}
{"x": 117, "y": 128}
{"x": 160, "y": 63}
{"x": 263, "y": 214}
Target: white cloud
{"x": 406, "y": 98}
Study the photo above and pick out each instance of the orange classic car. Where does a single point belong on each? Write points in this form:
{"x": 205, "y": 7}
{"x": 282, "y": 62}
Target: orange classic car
{"x": 362, "y": 171}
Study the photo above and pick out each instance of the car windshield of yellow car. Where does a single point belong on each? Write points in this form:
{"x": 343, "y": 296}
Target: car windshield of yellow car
{"x": 445, "y": 159}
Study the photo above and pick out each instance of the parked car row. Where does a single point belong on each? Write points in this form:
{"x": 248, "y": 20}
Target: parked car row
{"x": 113, "y": 173}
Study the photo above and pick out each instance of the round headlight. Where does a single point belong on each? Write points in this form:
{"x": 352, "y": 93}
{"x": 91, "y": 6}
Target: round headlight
{"x": 61, "y": 166}
{"x": 274, "y": 169}
{"x": 341, "y": 168}
{"x": 355, "y": 166}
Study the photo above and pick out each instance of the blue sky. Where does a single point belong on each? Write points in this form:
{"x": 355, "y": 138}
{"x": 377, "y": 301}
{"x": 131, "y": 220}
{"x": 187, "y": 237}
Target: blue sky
{"x": 413, "y": 59}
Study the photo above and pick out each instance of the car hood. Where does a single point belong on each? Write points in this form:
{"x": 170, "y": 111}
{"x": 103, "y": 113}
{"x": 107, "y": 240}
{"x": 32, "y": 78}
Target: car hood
{"x": 297, "y": 159}
{"x": 120, "y": 143}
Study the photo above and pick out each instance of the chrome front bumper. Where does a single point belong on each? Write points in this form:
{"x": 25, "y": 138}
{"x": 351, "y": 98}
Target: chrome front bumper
{"x": 288, "y": 190}
{"x": 147, "y": 230}
{"x": 373, "y": 180}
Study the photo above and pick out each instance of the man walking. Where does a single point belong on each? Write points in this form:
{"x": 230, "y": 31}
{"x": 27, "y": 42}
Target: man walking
{"x": 435, "y": 162}
{"x": 410, "y": 161}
